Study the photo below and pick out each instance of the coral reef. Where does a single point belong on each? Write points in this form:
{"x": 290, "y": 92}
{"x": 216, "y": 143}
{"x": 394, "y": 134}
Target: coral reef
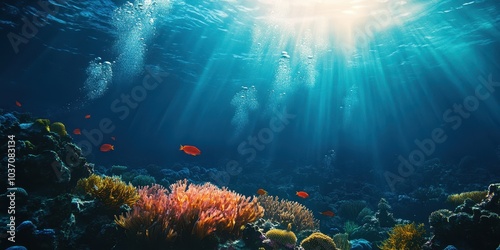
{"x": 36, "y": 238}
{"x": 143, "y": 180}
{"x": 360, "y": 244}
{"x": 408, "y": 237}
{"x": 469, "y": 226}
{"x": 383, "y": 214}
{"x": 58, "y": 128}
{"x": 350, "y": 226}
{"x": 188, "y": 214}
{"x": 50, "y": 163}
{"x": 111, "y": 191}
{"x": 43, "y": 124}
{"x": 279, "y": 238}
{"x": 351, "y": 209}
{"x": 342, "y": 241}
{"x": 318, "y": 241}
{"x": 288, "y": 212}
{"x": 476, "y": 196}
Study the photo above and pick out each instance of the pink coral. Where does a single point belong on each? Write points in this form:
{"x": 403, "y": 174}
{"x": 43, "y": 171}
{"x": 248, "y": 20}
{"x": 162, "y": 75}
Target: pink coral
{"x": 198, "y": 210}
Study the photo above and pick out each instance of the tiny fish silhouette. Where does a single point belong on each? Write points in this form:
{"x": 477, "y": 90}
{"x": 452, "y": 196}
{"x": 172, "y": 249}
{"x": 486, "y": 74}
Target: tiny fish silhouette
{"x": 261, "y": 192}
{"x": 328, "y": 213}
{"x": 87, "y": 116}
{"x": 18, "y": 104}
{"x": 77, "y": 131}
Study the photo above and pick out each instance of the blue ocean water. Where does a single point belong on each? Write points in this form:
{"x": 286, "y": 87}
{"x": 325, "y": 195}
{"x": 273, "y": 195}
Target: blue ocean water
{"x": 366, "y": 84}
{"x": 367, "y": 89}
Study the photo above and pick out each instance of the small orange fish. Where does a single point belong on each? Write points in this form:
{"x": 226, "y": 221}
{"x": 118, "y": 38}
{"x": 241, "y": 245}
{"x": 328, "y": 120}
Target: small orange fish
{"x": 18, "y": 104}
{"x": 77, "y": 131}
{"x": 87, "y": 116}
{"x": 302, "y": 194}
{"x": 113, "y": 138}
{"x": 328, "y": 213}
{"x": 261, "y": 192}
{"x": 107, "y": 147}
{"x": 190, "y": 150}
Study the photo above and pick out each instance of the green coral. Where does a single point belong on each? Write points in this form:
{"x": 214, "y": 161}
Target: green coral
{"x": 350, "y": 226}
{"x": 59, "y": 129}
{"x": 282, "y": 237}
{"x": 342, "y": 241}
{"x": 476, "y": 196}
{"x": 408, "y": 237}
{"x": 318, "y": 241}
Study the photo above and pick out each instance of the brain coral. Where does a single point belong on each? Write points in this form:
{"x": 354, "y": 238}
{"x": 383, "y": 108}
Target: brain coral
{"x": 318, "y": 241}
{"x": 279, "y": 237}
{"x": 58, "y": 128}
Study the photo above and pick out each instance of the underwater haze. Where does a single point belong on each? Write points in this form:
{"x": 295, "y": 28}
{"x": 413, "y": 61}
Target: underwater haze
{"x": 284, "y": 95}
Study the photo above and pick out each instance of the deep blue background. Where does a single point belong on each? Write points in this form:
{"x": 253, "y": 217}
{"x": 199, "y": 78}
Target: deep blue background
{"x": 400, "y": 98}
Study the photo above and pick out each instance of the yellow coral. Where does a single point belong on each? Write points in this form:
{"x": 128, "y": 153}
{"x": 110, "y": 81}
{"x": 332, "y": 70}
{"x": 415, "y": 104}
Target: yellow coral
{"x": 285, "y": 212}
{"x": 408, "y": 237}
{"x": 476, "y": 196}
{"x": 282, "y": 237}
{"x": 58, "y": 128}
{"x": 111, "y": 191}
{"x": 318, "y": 241}
{"x": 43, "y": 124}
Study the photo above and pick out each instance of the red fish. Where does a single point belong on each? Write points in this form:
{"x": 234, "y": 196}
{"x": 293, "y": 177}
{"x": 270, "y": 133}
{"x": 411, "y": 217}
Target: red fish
{"x": 107, "y": 147}
{"x": 87, "y": 116}
{"x": 77, "y": 131}
{"x": 261, "y": 192}
{"x": 302, "y": 194}
{"x": 328, "y": 213}
{"x": 18, "y": 104}
{"x": 190, "y": 150}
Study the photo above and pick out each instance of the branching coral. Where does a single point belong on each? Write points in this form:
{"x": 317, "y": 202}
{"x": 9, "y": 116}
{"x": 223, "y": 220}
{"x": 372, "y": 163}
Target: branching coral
{"x": 286, "y": 212}
{"x": 476, "y": 196}
{"x": 199, "y": 210}
{"x": 148, "y": 219}
{"x": 111, "y": 191}
{"x": 408, "y": 237}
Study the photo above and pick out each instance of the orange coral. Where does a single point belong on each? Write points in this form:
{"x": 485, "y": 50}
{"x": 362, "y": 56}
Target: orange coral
{"x": 199, "y": 210}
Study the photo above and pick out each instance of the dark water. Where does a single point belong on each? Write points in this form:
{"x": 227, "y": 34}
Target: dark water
{"x": 261, "y": 82}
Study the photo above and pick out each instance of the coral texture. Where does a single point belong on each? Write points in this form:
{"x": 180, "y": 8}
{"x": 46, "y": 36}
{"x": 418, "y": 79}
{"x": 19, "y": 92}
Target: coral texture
{"x": 408, "y": 237}
{"x": 58, "y": 128}
{"x": 286, "y": 212}
{"x": 199, "y": 210}
{"x": 282, "y": 238}
{"x": 476, "y": 196}
{"x": 469, "y": 226}
{"x": 111, "y": 191}
{"x": 318, "y": 241}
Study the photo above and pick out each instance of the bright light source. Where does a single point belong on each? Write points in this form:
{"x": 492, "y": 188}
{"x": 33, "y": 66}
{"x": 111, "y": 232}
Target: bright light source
{"x": 338, "y": 18}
